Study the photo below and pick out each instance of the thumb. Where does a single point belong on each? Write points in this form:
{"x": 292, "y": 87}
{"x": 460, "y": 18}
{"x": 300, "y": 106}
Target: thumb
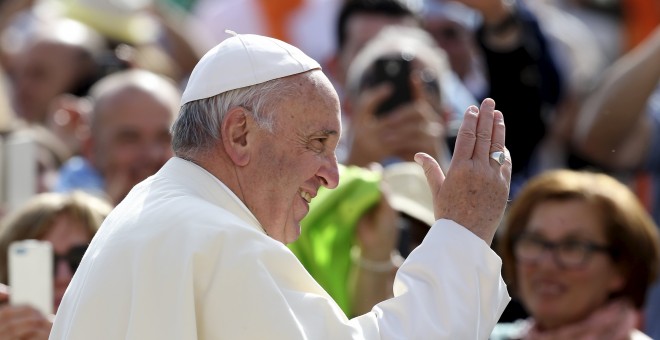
{"x": 434, "y": 175}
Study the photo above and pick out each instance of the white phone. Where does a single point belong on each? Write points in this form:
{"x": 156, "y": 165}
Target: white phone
{"x": 31, "y": 274}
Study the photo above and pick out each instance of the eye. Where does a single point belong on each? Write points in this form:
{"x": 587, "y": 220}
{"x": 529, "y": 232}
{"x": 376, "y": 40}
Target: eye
{"x": 572, "y": 247}
{"x": 318, "y": 144}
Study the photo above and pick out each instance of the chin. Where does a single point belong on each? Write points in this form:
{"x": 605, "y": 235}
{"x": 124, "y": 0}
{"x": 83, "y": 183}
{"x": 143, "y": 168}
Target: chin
{"x": 293, "y": 234}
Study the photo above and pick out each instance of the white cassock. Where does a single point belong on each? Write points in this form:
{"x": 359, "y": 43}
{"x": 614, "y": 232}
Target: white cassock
{"x": 183, "y": 258}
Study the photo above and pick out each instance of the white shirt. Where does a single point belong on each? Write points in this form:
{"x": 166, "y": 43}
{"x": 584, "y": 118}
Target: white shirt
{"x": 183, "y": 258}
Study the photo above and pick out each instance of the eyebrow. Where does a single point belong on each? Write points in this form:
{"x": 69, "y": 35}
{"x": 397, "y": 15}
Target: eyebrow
{"x": 329, "y": 132}
{"x": 569, "y": 236}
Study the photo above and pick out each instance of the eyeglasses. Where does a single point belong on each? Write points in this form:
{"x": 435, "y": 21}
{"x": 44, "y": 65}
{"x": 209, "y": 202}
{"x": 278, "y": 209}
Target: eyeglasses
{"x": 72, "y": 258}
{"x": 566, "y": 254}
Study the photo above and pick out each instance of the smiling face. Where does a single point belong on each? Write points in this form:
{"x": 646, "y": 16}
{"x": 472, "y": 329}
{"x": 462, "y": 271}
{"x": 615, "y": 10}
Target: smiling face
{"x": 298, "y": 157}
{"x": 556, "y": 296}
{"x": 133, "y": 139}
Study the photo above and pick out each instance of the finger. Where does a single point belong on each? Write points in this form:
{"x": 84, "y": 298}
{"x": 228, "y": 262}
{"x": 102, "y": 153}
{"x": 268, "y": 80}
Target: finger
{"x": 370, "y": 99}
{"x": 434, "y": 175}
{"x": 507, "y": 167}
{"x": 417, "y": 86}
{"x": 484, "y": 130}
{"x": 497, "y": 139}
{"x": 418, "y": 112}
{"x": 466, "y": 136}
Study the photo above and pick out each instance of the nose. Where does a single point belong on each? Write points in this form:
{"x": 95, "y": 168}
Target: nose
{"x": 329, "y": 173}
{"x": 63, "y": 272}
{"x": 549, "y": 258}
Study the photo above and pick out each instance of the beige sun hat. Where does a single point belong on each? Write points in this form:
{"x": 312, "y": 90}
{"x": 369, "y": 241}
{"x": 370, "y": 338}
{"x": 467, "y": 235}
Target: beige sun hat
{"x": 409, "y": 191}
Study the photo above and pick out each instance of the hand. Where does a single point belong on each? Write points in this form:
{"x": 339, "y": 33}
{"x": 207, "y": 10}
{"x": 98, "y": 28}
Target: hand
{"x": 407, "y": 129}
{"x": 476, "y": 188}
{"x": 378, "y": 232}
{"x": 21, "y": 322}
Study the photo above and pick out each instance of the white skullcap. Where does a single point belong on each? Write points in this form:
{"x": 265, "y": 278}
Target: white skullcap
{"x": 244, "y": 60}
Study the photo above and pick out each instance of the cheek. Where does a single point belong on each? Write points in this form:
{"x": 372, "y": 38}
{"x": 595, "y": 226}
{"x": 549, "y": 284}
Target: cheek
{"x": 606, "y": 281}
{"x": 523, "y": 277}
{"x": 124, "y": 154}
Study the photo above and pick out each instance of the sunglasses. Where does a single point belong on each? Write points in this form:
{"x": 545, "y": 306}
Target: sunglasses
{"x": 72, "y": 258}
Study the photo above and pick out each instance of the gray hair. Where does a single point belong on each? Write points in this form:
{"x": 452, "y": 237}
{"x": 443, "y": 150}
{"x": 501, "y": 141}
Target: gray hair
{"x": 197, "y": 127}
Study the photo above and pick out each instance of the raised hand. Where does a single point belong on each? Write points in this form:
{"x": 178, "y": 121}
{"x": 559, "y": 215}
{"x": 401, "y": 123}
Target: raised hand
{"x": 475, "y": 190}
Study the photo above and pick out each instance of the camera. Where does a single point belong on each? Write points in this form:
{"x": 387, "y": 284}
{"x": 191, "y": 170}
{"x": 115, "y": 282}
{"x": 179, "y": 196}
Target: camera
{"x": 395, "y": 70}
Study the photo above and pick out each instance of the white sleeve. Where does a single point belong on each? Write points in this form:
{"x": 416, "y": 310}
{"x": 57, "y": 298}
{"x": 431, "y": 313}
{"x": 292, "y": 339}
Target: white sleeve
{"x": 450, "y": 287}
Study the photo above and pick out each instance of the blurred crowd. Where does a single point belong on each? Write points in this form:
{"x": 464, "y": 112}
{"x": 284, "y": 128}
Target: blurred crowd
{"x": 89, "y": 90}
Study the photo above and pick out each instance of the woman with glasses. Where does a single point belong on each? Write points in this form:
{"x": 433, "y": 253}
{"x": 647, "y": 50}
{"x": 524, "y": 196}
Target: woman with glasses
{"x": 579, "y": 252}
{"x": 67, "y": 222}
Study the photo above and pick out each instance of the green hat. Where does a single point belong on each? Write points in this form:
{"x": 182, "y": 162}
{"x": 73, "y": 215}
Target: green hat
{"x": 328, "y": 231}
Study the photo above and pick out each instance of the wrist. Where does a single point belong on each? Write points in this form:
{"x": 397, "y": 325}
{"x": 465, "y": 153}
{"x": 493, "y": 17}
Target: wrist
{"x": 377, "y": 266}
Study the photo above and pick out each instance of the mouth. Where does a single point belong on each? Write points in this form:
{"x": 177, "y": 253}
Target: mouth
{"x": 548, "y": 288}
{"x": 306, "y": 196}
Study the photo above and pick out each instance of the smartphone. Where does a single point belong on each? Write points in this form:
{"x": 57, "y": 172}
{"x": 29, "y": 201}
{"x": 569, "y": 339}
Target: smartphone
{"x": 396, "y": 71}
{"x": 30, "y": 264}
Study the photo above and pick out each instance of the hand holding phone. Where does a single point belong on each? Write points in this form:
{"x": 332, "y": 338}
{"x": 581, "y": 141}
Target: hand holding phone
{"x": 31, "y": 274}
{"x": 396, "y": 71}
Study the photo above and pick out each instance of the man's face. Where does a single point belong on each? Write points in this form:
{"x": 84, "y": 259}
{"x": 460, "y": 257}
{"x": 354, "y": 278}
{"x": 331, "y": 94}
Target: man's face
{"x": 359, "y": 29}
{"x": 40, "y": 73}
{"x": 297, "y": 159}
{"x": 132, "y": 140}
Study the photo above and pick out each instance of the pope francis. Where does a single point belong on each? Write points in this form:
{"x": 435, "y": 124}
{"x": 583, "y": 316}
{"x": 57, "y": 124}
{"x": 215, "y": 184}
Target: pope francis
{"x": 197, "y": 251}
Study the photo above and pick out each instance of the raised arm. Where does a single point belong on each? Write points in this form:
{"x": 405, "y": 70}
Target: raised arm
{"x": 612, "y": 128}
{"x": 450, "y": 287}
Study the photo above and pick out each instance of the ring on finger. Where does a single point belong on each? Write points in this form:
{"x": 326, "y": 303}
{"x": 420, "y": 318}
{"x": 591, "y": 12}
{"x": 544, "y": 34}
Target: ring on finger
{"x": 498, "y": 156}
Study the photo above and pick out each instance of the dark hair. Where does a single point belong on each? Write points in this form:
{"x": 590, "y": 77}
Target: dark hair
{"x": 392, "y": 8}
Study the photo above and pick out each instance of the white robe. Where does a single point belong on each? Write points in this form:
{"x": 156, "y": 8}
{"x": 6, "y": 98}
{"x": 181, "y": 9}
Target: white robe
{"x": 183, "y": 258}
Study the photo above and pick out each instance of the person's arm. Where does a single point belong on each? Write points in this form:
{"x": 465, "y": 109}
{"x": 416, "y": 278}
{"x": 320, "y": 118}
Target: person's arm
{"x": 452, "y": 281}
{"x": 373, "y": 263}
{"x": 612, "y": 128}
{"x": 178, "y": 43}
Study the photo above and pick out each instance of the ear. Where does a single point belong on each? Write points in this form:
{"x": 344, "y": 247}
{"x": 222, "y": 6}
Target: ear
{"x": 234, "y": 132}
